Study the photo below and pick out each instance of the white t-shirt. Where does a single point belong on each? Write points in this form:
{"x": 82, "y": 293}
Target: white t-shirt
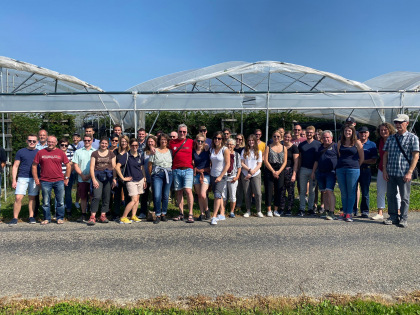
{"x": 217, "y": 162}
{"x": 251, "y": 162}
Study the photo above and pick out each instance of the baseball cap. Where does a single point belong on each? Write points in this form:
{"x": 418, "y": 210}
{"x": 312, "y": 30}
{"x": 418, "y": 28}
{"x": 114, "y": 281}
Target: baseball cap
{"x": 350, "y": 119}
{"x": 364, "y": 129}
{"x": 402, "y": 118}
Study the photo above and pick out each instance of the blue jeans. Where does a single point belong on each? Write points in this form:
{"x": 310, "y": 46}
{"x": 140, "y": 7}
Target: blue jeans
{"x": 68, "y": 202}
{"x": 58, "y": 187}
{"x": 347, "y": 181}
{"x": 364, "y": 180}
{"x": 161, "y": 190}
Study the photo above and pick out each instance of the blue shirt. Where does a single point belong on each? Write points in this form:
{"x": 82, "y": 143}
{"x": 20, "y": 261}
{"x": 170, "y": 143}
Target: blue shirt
{"x": 26, "y": 157}
{"x": 370, "y": 151}
{"x": 327, "y": 161}
{"x": 95, "y": 144}
{"x": 132, "y": 166}
{"x": 308, "y": 153}
{"x": 349, "y": 157}
{"x": 201, "y": 161}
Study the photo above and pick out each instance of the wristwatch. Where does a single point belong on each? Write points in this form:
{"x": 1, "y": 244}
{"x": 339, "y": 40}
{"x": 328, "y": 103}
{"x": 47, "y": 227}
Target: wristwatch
{"x": 66, "y": 177}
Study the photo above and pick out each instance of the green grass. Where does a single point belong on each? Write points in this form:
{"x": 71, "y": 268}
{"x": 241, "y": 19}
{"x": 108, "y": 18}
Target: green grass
{"x": 7, "y": 206}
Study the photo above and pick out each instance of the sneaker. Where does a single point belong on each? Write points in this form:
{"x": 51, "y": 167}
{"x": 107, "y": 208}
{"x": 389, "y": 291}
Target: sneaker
{"x": 403, "y": 223}
{"x": 311, "y": 213}
{"x": 321, "y": 210}
{"x": 247, "y": 214}
{"x": 377, "y": 217}
{"x": 32, "y": 220}
{"x": 163, "y": 218}
{"x": 92, "y": 220}
{"x": 270, "y": 213}
{"x": 288, "y": 213}
{"x": 125, "y": 221}
{"x": 103, "y": 219}
{"x": 207, "y": 212}
{"x": 341, "y": 217}
{"x": 221, "y": 217}
{"x": 82, "y": 218}
{"x": 201, "y": 217}
{"x": 276, "y": 214}
{"x": 77, "y": 205}
{"x": 135, "y": 219}
{"x": 141, "y": 216}
{"x": 391, "y": 222}
{"x": 260, "y": 215}
{"x": 231, "y": 215}
{"x": 330, "y": 216}
{"x": 301, "y": 213}
{"x": 116, "y": 218}
{"x": 365, "y": 215}
{"x": 14, "y": 222}
{"x": 348, "y": 218}
{"x": 213, "y": 221}
{"x": 157, "y": 220}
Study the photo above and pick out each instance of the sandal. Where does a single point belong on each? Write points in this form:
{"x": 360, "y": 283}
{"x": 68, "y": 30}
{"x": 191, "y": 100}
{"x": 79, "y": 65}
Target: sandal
{"x": 190, "y": 219}
{"x": 45, "y": 222}
{"x": 59, "y": 221}
{"x": 180, "y": 217}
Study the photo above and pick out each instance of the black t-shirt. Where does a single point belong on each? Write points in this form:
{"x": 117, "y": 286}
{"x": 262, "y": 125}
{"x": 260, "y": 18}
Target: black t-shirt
{"x": 308, "y": 153}
{"x": 290, "y": 151}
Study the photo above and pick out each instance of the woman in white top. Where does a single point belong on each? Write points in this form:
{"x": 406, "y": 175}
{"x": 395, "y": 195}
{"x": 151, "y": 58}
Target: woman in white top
{"x": 233, "y": 174}
{"x": 220, "y": 162}
{"x": 251, "y": 175}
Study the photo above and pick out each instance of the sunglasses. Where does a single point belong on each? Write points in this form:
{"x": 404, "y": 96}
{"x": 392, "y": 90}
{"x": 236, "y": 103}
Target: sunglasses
{"x": 258, "y": 134}
{"x": 31, "y": 141}
{"x": 398, "y": 122}
{"x": 182, "y": 131}
{"x": 226, "y": 133}
{"x": 134, "y": 145}
{"x": 203, "y": 130}
{"x": 275, "y": 137}
{"x": 87, "y": 140}
{"x": 114, "y": 140}
{"x": 64, "y": 145}
{"x": 217, "y": 138}
{"x": 200, "y": 141}
{"x": 173, "y": 137}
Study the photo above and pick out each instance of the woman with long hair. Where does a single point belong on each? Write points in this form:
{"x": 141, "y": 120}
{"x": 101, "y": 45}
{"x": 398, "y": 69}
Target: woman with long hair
{"x": 289, "y": 175}
{"x": 120, "y": 190}
{"x": 251, "y": 174}
{"x": 151, "y": 143}
{"x": 350, "y": 158}
{"x": 160, "y": 168}
{"x": 220, "y": 162}
{"x": 102, "y": 172}
{"x": 383, "y": 131}
{"x": 239, "y": 147}
{"x": 275, "y": 160}
{"x": 233, "y": 175}
{"x": 201, "y": 161}
{"x": 135, "y": 177}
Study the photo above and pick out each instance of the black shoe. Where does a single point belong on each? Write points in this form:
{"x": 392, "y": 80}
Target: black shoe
{"x": 208, "y": 214}
{"x": 311, "y": 213}
{"x": 157, "y": 220}
{"x": 301, "y": 213}
{"x": 163, "y": 218}
{"x": 391, "y": 222}
{"x": 288, "y": 213}
{"x": 365, "y": 215}
{"x": 201, "y": 217}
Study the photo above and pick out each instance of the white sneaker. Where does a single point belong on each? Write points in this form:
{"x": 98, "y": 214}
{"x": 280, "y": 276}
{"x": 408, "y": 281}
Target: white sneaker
{"x": 377, "y": 217}
{"x": 213, "y": 221}
{"x": 269, "y": 213}
{"x": 77, "y": 205}
{"x": 260, "y": 215}
{"x": 221, "y": 217}
{"x": 276, "y": 214}
{"x": 247, "y": 214}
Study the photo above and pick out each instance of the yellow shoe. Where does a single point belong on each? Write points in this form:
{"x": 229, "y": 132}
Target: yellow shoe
{"x": 135, "y": 219}
{"x": 125, "y": 221}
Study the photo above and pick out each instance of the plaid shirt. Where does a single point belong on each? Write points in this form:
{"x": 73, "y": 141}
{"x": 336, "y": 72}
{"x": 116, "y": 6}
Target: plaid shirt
{"x": 397, "y": 164}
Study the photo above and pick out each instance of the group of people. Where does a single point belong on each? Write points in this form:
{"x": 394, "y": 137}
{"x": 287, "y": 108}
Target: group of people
{"x": 113, "y": 171}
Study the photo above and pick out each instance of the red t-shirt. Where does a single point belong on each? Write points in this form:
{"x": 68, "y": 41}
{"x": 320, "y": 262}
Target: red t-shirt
{"x": 50, "y": 162}
{"x": 184, "y": 156}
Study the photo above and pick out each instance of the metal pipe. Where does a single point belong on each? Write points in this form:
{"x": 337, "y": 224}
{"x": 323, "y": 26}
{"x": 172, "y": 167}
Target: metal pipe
{"x": 267, "y": 114}
{"x": 135, "y": 112}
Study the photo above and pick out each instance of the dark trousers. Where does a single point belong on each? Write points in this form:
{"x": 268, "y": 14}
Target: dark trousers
{"x": 269, "y": 183}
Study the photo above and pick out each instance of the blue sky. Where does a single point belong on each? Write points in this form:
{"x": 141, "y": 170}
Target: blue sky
{"x": 118, "y": 44}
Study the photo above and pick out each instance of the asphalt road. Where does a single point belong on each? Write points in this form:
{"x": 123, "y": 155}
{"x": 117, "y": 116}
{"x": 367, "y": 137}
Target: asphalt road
{"x": 244, "y": 257}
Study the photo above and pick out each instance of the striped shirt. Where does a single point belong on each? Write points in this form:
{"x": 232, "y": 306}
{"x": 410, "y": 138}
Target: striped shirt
{"x": 397, "y": 164}
{"x": 69, "y": 155}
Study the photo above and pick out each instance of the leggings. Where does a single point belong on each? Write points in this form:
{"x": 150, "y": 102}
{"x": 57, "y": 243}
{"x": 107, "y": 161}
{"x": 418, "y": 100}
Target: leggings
{"x": 288, "y": 187}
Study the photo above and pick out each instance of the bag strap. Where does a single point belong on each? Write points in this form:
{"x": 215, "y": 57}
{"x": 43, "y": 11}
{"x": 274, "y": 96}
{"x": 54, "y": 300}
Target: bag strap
{"x": 126, "y": 160}
{"x": 403, "y": 152}
{"x": 173, "y": 155}
{"x": 325, "y": 149}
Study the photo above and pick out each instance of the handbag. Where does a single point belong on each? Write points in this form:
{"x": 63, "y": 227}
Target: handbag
{"x": 415, "y": 174}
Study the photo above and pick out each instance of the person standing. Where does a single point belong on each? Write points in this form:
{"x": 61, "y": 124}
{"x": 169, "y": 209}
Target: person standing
{"x": 399, "y": 161}
{"x": 151, "y": 144}
{"x": 117, "y": 130}
{"x": 324, "y": 171}
{"x": 89, "y": 131}
{"x": 275, "y": 160}
{"x": 81, "y": 162}
{"x": 160, "y": 168}
{"x": 351, "y": 156}
{"x": 203, "y": 131}
{"x": 141, "y": 138}
{"x": 201, "y": 159}
{"x": 23, "y": 181}
{"x": 307, "y": 157}
{"x": 50, "y": 159}
{"x": 226, "y": 136}
{"x": 182, "y": 167}
{"x": 120, "y": 191}
{"x": 42, "y": 144}
{"x": 261, "y": 144}
{"x": 370, "y": 155}
{"x": 232, "y": 176}
{"x": 383, "y": 131}
{"x": 239, "y": 147}
{"x": 63, "y": 145}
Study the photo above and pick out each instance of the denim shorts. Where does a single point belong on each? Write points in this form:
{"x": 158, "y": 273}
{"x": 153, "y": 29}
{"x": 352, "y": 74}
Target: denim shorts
{"x": 325, "y": 180}
{"x": 205, "y": 181}
{"x": 183, "y": 178}
{"x": 28, "y": 184}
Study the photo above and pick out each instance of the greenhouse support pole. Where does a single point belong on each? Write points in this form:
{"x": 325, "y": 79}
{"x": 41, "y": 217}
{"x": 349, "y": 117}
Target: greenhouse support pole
{"x": 268, "y": 110}
{"x": 335, "y": 127}
{"x": 242, "y": 121}
{"x": 4, "y": 138}
{"x": 135, "y": 112}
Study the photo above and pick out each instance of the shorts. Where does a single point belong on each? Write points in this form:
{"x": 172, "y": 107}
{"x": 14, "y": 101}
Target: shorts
{"x": 219, "y": 188}
{"x": 205, "y": 181}
{"x": 183, "y": 178}
{"x": 326, "y": 180}
{"x": 135, "y": 188}
{"x": 26, "y": 184}
{"x": 83, "y": 189}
